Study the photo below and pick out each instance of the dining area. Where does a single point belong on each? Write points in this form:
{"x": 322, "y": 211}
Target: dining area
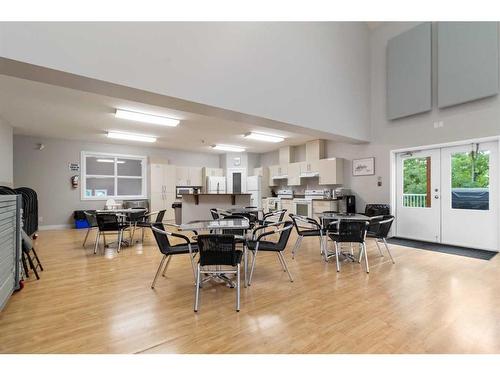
{"x": 225, "y": 251}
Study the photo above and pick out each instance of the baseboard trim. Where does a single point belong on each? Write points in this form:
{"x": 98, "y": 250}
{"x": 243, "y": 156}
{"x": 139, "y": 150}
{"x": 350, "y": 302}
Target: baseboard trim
{"x": 54, "y": 227}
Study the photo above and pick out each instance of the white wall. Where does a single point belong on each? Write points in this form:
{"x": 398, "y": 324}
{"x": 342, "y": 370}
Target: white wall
{"x": 6, "y": 154}
{"x": 47, "y": 172}
{"x": 310, "y": 74}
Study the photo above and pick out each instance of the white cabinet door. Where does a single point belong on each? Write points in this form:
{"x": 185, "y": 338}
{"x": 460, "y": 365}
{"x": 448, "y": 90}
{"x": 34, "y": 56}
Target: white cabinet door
{"x": 169, "y": 177}
{"x": 169, "y": 200}
{"x": 182, "y": 176}
{"x": 195, "y": 176}
{"x": 156, "y": 178}
{"x": 331, "y": 171}
{"x": 294, "y": 174}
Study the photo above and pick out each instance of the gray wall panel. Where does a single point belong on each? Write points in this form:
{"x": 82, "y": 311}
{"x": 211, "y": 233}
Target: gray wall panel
{"x": 467, "y": 61}
{"x": 409, "y": 72}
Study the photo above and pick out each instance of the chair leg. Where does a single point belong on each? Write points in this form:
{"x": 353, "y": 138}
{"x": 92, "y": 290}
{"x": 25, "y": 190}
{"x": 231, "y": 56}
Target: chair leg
{"x": 366, "y": 257}
{"x": 158, "y": 271}
{"x": 197, "y": 292}
{"x": 281, "y": 262}
{"x": 166, "y": 266}
{"x": 245, "y": 265}
{"x": 193, "y": 265}
{"x": 280, "y": 254}
{"x": 378, "y": 247}
{"x": 32, "y": 266}
{"x": 325, "y": 248}
{"x": 37, "y": 259}
{"x": 388, "y": 251}
{"x": 25, "y": 265}
{"x": 120, "y": 235}
{"x": 238, "y": 287}
{"x": 296, "y": 246}
{"x": 337, "y": 256}
{"x": 253, "y": 265}
{"x": 360, "y": 254}
{"x": 86, "y": 236}
{"x": 97, "y": 241}
{"x": 132, "y": 232}
{"x": 142, "y": 235}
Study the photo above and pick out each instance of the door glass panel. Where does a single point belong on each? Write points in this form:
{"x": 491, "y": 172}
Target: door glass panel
{"x": 470, "y": 180}
{"x": 417, "y": 182}
{"x": 237, "y": 183}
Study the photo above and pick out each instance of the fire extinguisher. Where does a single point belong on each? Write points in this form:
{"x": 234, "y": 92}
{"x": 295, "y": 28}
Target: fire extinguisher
{"x": 74, "y": 181}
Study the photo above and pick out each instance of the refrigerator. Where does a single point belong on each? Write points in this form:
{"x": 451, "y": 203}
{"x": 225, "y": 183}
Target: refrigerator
{"x": 216, "y": 185}
{"x": 254, "y": 187}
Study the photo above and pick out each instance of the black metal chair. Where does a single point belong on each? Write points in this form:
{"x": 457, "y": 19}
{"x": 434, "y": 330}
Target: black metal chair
{"x": 377, "y": 209}
{"x": 168, "y": 249}
{"x": 215, "y": 213}
{"x": 378, "y": 229}
{"x": 90, "y": 215}
{"x": 350, "y": 231}
{"x": 144, "y": 221}
{"x": 306, "y": 227}
{"x": 273, "y": 217}
{"x": 260, "y": 243}
{"x": 217, "y": 250}
{"x": 109, "y": 223}
{"x": 239, "y": 234}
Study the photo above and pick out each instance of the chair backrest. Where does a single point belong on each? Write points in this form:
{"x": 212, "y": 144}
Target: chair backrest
{"x": 307, "y": 223}
{"x": 107, "y": 222}
{"x": 160, "y": 216}
{"x": 215, "y": 213}
{"x": 162, "y": 240}
{"x": 376, "y": 209}
{"x": 286, "y": 229}
{"x": 90, "y": 215}
{"x": 137, "y": 215}
{"x": 351, "y": 231}
{"x": 217, "y": 249}
{"x": 278, "y": 215}
{"x": 382, "y": 226}
{"x": 235, "y": 232}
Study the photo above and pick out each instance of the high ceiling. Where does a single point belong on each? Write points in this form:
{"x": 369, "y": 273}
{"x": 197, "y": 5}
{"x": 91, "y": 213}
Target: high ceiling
{"x": 44, "y": 110}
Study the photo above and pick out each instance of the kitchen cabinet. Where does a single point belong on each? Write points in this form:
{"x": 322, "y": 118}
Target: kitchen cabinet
{"x": 210, "y": 172}
{"x": 189, "y": 176}
{"x": 309, "y": 167}
{"x": 315, "y": 150}
{"x": 162, "y": 187}
{"x": 279, "y": 171}
{"x": 294, "y": 170}
{"x": 319, "y": 206}
{"x": 331, "y": 171}
{"x": 287, "y": 204}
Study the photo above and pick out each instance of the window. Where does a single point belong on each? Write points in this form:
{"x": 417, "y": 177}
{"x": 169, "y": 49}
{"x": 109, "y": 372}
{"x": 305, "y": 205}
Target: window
{"x": 113, "y": 176}
{"x": 417, "y": 182}
{"x": 470, "y": 180}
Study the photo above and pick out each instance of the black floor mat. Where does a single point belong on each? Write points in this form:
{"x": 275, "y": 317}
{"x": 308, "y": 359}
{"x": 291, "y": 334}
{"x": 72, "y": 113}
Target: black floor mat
{"x": 448, "y": 249}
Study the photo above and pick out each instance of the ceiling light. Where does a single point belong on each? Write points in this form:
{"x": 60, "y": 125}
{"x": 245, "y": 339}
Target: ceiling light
{"x": 110, "y": 161}
{"x": 132, "y": 137}
{"x": 144, "y": 117}
{"x": 228, "y": 148}
{"x": 264, "y": 137}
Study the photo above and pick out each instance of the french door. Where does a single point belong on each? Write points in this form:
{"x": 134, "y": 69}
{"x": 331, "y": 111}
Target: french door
{"x": 449, "y": 195}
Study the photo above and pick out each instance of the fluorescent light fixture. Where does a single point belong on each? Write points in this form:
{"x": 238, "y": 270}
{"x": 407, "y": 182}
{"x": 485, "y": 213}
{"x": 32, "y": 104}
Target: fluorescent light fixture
{"x": 144, "y": 117}
{"x": 110, "y": 161}
{"x": 264, "y": 137}
{"x": 228, "y": 148}
{"x": 132, "y": 137}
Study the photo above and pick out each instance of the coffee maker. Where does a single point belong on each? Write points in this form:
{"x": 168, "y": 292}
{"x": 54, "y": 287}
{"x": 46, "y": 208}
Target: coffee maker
{"x": 347, "y": 204}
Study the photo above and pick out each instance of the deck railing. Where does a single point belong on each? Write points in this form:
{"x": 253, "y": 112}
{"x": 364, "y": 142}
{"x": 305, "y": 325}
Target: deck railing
{"x": 414, "y": 200}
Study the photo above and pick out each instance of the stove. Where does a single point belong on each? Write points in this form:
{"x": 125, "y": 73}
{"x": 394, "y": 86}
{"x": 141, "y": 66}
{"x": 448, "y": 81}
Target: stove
{"x": 317, "y": 194}
{"x": 285, "y": 193}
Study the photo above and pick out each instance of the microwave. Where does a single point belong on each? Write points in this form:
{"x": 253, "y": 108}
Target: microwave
{"x": 185, "y": 190}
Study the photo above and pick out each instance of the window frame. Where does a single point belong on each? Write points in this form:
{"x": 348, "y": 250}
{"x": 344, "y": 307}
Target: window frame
{"x": 84, "y": 176}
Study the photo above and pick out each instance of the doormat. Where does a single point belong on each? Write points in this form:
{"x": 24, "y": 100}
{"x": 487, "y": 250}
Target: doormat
{"x": 441, "y": 248}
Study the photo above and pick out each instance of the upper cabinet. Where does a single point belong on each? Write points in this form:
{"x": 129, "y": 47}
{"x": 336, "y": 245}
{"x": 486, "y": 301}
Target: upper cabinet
{"x": 294, "y": 170}
{"x": 189, "y": 176}
{"x": 331, "y": 171}
{"x": 213, "y": 172}
{"x": 315, "y": 150}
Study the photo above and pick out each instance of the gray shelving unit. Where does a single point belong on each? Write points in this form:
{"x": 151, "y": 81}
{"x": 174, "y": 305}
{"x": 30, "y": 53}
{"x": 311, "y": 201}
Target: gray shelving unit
{"x": 10, "y": 245}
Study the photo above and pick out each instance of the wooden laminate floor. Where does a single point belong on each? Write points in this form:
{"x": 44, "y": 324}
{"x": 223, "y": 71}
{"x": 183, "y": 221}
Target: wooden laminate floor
{"x": 425, "y": 303}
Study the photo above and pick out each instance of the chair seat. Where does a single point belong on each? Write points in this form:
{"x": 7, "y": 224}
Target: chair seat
{"x": 310, "y": 232}
{"x": 182, "y": 249}
{"x": 263, "y": 245}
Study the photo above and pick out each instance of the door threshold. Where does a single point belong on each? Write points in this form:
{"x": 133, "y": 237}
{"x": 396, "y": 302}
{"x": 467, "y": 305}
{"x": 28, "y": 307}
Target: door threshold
{"x": 442, "y": 248}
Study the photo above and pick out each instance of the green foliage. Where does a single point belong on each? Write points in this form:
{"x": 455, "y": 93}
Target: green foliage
{"x": 415, "y": 176}
{"x": 467, "y": 174}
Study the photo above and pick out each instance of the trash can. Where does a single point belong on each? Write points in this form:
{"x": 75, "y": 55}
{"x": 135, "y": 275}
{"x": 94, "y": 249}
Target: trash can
{"x": 177, "y": 206}
{"x": 80, "y": 220}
